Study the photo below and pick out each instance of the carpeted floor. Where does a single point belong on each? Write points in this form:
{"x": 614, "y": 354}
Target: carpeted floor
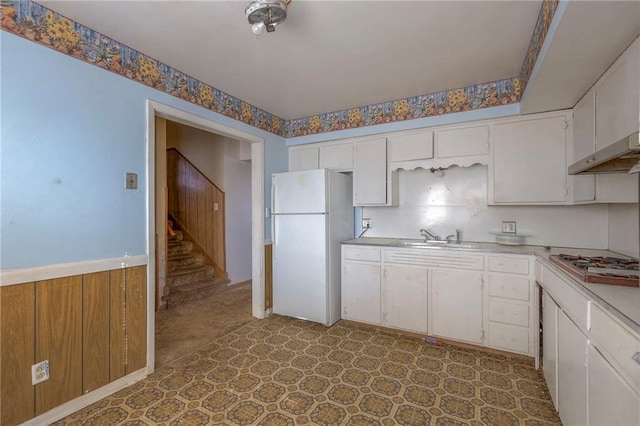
{"x": 188, "y": 327}
{"x": 283, "y": 371}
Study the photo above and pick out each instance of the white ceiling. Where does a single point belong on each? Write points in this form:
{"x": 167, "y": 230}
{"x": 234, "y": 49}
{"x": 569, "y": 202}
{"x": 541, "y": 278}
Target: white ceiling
{"x": 591, "y": 35}
{"x": 327, "y": 55}
{"x": 334, "y": 55}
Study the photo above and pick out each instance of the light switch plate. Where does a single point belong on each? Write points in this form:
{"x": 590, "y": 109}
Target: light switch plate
{"x": 131, "y": 181}
{"x": 508, "y": 227}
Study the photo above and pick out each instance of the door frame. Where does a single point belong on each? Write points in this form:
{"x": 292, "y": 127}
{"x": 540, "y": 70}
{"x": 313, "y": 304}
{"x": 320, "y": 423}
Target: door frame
{"x": 158, "y": 109}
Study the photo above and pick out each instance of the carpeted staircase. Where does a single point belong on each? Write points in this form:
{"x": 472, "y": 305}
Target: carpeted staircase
{"x": 189, "y": 277}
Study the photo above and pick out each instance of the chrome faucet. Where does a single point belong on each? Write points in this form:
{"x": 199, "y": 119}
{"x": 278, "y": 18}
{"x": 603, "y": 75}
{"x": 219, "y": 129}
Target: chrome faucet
{"x": 457, "y": 236}
{"x": 426, "y": 234}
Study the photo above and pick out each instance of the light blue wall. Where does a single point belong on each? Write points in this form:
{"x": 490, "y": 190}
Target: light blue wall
{"x": 69, "y": 132}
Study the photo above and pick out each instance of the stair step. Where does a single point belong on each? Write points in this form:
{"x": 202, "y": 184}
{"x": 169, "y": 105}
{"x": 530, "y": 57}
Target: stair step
{"x": 179, "y": 247}
{"x": 184, "y": 260}
{"x": 194, "y": 291}
{"x": 179, "y": 236}
{"x": 188, "y": 275}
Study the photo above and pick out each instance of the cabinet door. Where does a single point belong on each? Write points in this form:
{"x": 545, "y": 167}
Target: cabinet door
{"x": 414, "y": 146}
{"x": 610, "y": 106}
{"x": 336, "y": 157}
{"x": 404, "y": 298}
{"x": 572, "y": 372}
{"x": 611, "y": 400}
{"x": 463, "y": 142}
{"x": 370, "y": 172}
{"x": 530, "y": 161}
{"x": 361, "y": 292}
{"x": 550, "y": 345}
{"x": 584, "y": 127}
{"x": 303, "y": 159}
{"x": 456, "y": 305}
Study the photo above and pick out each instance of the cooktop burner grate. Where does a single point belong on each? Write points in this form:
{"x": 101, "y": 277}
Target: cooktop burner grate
{"x": 600, "y": 269}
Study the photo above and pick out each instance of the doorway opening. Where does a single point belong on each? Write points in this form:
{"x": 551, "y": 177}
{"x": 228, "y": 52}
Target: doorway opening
{"x": 158, "y": 210}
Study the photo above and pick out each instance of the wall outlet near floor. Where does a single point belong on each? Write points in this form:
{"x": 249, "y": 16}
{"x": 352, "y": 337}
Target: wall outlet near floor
{"x": 508, "y": 227}
{"x": 40, "y": 372}
{"x": 366, "y": 223}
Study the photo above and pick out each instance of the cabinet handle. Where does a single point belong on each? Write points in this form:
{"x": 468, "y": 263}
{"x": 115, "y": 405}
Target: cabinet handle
{"x": 636, "y": 357}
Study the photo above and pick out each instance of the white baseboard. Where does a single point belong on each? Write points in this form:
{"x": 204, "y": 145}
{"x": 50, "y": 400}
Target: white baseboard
{"x": 26, "y": 275}
{"x": 79, "y": 403}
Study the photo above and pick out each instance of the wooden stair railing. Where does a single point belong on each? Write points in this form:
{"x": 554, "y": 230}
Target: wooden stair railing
{"x": 198, "y": 206}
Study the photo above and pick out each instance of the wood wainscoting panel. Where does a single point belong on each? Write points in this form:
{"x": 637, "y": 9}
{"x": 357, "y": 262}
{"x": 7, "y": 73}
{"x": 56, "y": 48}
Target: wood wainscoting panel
{"x": 136, "y": 319}
{"x": 117, "y": 312}
{"x": 17, "y": 353}
{"x": 268, "y": 277}
{"x": 59, "y": 340}
{"x": 95, "y": 330}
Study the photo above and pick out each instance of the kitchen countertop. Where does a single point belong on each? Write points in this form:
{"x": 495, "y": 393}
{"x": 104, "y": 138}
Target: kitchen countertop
{"x": 622, "y": 302}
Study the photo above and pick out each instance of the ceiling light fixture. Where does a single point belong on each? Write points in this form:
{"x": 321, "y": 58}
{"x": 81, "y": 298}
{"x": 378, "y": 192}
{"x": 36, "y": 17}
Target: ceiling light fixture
{"x": 266, "y": 14}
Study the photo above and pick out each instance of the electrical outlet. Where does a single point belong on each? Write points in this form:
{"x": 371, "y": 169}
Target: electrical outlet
{"x": 131, "y": 181}
{"x": 366, "y": 223}
{"x": 40, "y": 372}
{"x": 508, "y": 227}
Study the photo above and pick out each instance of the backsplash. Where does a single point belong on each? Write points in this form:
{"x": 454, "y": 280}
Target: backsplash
{"x": 458, "y": 200}
{"x": 623, "y": 229}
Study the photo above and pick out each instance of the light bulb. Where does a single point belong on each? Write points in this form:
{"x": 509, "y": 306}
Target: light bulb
{"x": 257, "y": 28}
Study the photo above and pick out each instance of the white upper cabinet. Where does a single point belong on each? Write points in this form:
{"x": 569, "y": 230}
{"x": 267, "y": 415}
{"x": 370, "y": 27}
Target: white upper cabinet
{"x": 303, "y": 159}
{"x": 464, "y": 141}
{"x": 370, "y": 172}
{"x": 413, "y": 146}
{"x": 606, "y": 114}
{"x": 337, "y": 156}
{"x": 530, "y": 161}
{"x": 617, "y": 99}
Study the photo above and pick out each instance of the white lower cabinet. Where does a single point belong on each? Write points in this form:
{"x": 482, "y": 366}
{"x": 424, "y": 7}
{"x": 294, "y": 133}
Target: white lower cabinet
{"x": 550, "y": 346}
{"x": 611, "y": 400}
{"x": 456, "y": 305}
{"x": 589, "y": 371}
{"x": 443, "y": 293}
{"x": 572, "y": 372}
{"x": 361, "y": 292}
{"x": 404, "y": 297}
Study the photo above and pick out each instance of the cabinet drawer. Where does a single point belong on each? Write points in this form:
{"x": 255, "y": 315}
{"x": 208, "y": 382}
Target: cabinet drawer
{"x": 369, "y": 254}
{"x": 509, "y": 337}
{"x": 512, "y": 265}
{"x": 435, "y": 258}
{"x": 415, "y": 146}
{"x": 509, "y": 287}
{"x": 617, "y": 343}
{"x": 568, "y": 298}
{"x": 509, "y": 313}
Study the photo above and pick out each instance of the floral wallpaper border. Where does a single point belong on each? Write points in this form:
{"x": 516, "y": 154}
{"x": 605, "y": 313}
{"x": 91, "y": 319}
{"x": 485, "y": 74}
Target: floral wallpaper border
{"x": 37, "y": 23}
{"x": 547, "y": 11}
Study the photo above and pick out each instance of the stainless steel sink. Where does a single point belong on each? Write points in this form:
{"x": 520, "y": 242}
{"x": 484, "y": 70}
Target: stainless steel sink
{"x": 434, "y": 244}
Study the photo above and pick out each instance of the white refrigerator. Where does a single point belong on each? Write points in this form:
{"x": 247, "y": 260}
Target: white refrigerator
{"x": 312, "y": 213}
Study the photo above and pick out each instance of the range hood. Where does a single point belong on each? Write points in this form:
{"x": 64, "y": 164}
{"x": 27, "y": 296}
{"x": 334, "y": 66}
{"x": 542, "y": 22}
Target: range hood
{"x": 620, "y": 157}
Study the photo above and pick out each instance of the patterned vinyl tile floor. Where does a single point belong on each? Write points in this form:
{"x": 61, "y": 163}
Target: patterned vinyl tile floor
{"x": 283, "y": 371}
